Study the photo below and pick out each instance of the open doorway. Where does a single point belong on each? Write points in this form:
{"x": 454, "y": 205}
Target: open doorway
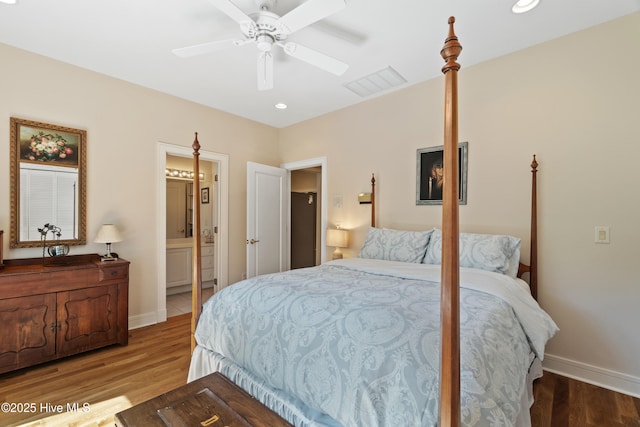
{"x": 175, "y": 225}
{"x": 269, "y": 209}
{"x": 309, "y": 178}
{"x": 306, "y": 184}
{"x": 180, "y": 201}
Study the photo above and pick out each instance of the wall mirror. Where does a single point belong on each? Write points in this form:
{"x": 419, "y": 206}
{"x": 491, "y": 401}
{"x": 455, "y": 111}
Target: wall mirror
{"x": 180, "y": 197}
{"x": 48, "y": 183}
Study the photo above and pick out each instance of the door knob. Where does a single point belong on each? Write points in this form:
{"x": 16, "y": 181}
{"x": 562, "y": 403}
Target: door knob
{"x": 252, "y": 241}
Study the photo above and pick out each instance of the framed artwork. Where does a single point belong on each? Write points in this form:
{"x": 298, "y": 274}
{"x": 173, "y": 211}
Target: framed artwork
{"x": 204, "y": 195}
{"x": 48, "y": 172}
{"x": 49, "y": 144}
{"x": 429, "y": 175}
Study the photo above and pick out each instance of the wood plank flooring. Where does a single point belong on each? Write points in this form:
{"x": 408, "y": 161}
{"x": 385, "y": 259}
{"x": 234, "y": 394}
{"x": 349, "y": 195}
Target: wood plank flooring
{"x": 560, "y": 401}
{"x": 108, "y": 380}
{"x": 157, "y": 359}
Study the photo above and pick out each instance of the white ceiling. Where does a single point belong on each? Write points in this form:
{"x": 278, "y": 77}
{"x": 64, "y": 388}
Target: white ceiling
{"x": 132, "y": 40}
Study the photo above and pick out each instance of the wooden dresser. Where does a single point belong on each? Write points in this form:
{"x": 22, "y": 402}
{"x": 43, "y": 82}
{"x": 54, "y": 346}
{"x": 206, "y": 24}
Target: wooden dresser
{"x": 61, "y": 306}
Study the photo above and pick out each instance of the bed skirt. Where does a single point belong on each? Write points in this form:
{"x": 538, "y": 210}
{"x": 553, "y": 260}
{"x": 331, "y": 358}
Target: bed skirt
{"x": 204, "y": 362}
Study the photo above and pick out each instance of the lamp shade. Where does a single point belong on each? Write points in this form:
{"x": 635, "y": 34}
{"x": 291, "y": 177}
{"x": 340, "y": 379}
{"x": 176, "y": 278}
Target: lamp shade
{"x": 338, "y": 238}
{"x": 108, "y": 233}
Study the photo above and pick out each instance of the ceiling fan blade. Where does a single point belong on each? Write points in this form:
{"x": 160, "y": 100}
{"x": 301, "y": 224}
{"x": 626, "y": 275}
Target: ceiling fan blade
{"x": 265, "y": 71}
{"x": 199, "y": 49}
{"x": 232, "y": 11}
{"x": 314, "y": 57}
{"x": 308, "y": 13}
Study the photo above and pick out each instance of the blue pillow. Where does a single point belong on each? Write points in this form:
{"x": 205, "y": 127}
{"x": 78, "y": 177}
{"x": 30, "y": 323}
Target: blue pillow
{"x": 491, "y": 252}
{"x": 395, "y": 245}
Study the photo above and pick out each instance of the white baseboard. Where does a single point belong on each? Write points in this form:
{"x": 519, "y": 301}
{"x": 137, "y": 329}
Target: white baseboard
{"x": 595, "y": 375}
{"x": 145, "y": 319}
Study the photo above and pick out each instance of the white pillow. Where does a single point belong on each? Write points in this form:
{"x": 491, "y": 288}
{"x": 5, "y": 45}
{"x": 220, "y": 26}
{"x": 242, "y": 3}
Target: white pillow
{"x": 395, "y": 245}
{"x": 491, "y": 252}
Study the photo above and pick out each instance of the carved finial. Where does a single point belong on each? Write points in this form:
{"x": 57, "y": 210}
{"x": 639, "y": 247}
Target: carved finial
{"x": 373, "y": 179}
{"x": 451, "y": 49}
{"x": 534, "y": 164}
{"x": 196, "y": 145}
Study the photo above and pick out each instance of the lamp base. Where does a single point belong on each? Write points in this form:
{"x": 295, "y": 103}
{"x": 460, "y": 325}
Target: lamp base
{"x": 337, "y": 254}
{"x": 109, "y": 257}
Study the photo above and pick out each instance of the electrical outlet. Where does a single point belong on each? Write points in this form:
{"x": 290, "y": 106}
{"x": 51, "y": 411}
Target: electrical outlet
{"x": 602, "y": 234}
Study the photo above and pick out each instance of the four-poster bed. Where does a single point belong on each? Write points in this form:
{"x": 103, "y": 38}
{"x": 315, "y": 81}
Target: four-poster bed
{"x": 363, "y": 341}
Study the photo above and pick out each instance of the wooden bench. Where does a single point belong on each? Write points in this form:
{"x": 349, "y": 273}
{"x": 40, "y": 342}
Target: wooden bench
{"x": 211, "y": 401}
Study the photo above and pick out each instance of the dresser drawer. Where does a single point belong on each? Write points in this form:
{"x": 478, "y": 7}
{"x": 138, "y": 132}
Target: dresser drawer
{"x": 113, "y": 272}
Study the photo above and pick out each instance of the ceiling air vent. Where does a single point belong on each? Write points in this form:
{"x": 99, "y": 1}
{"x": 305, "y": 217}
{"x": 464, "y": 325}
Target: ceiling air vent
{"x": 376, "y": 82}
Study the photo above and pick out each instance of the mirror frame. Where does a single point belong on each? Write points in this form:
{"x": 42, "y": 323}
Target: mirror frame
{"x": 16, "y": 123}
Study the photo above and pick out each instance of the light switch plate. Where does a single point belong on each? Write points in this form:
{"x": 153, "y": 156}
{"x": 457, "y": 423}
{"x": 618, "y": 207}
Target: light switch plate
{"x": 602, "y": 234}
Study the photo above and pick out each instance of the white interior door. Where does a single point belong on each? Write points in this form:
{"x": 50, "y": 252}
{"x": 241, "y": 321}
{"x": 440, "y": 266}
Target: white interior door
{"x": 267, "y": 214}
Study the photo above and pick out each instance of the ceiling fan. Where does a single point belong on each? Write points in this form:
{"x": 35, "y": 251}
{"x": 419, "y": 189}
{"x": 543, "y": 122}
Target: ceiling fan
{"x": 266, "y": 29}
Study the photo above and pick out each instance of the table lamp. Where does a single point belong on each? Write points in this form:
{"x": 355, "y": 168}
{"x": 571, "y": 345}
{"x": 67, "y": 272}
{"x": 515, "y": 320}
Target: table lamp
{"x": 338, "y": 238}
{"x": 108, "y": 234}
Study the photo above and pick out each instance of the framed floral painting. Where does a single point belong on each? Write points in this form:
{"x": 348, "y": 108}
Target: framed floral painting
{"x": 48, "y": 144}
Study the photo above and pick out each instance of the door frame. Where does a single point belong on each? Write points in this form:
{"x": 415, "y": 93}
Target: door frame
{"x": 221, "y": 208}
{"x": 305, "y": 164}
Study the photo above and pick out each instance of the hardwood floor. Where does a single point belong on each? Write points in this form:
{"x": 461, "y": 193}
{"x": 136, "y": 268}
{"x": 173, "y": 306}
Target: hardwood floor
{"x": 157, "y": 359}
{"x": 107, "y": 380}
{"x": 560, "y": 401}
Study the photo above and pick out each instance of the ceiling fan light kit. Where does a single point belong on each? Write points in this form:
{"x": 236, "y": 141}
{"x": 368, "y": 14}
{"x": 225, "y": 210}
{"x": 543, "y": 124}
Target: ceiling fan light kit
{"x": 265, "y": 29}
{"x": 522, "y": 6}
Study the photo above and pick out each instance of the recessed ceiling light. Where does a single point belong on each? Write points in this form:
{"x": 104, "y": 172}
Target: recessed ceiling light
{"x": 9, "y": 1}
{"x": 523, "y": 6}
{"x": 281, "y": 106}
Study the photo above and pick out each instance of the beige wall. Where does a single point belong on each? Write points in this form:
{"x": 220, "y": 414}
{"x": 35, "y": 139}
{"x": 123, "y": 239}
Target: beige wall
{"x": 124, "y": 125}
{"x": 575, "y": 103}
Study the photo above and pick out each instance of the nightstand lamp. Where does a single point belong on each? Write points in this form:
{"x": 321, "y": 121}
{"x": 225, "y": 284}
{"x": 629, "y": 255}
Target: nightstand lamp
{"x": 108, "y": 234}
{"x": 338, "y": 238}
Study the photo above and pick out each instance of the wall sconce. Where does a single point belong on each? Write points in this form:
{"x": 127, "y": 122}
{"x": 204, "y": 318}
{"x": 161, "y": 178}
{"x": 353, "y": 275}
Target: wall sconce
{"x": 181, "y": 174}
{"x": 108, "y": 234}
{"x": 338, "y": 238}
{"x": 364, "y": 198}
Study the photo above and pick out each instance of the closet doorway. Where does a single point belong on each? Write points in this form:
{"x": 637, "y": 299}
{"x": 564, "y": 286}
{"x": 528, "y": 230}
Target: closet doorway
{"x": 309, "y": 178}
{"x": 305, "y": 213}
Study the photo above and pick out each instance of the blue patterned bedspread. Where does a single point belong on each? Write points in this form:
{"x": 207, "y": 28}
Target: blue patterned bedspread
{"x": 359, "y": 340}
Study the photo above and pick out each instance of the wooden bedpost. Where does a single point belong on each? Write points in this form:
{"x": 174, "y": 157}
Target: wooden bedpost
{"x": 533, "y": 261}
{"x": 450, "y": 280}
{"x": 196, "y": 281}
{"x": 373, "y": 200}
